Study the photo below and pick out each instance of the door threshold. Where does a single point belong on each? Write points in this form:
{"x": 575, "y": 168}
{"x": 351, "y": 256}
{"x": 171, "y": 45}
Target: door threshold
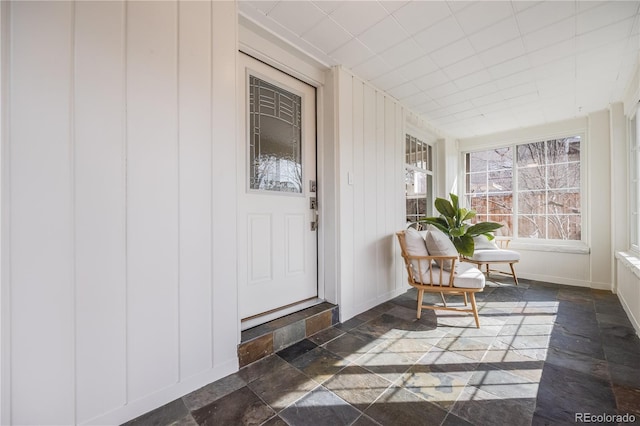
{"x": 256, "y": 320}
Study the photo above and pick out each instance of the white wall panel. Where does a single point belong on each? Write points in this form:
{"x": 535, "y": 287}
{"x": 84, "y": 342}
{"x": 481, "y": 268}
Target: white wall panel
{"x": 152, "y": 184}
{"x": 369, "y": 188}
{"x": 360, "y": 262}
{"x": 194, "y": 94}
{"x": 371, "y": 146}
{"x": 42, "y": 285}
{"x": 100, "y": 195}
{"x": 225, "y": 291}
{"x": 122, "y": 213}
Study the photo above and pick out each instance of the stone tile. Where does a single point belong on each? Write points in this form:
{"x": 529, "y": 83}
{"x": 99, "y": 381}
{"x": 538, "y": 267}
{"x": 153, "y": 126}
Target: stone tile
{"x": 350, "y": 324}
{"x": 437, "y": 387}
{"x": 364, "y": 420}
{"x": 213, "y": 391}
{"x": 318, "y": 322}
{"x": 591, "y": 347}
{"x": 388, "y": 364}
{"x": 260, "y": 368}
{"x": 325, "y": 336}
{"x": 627, "y": 399}
{"x": 320, "y": 408}
{"x": 483, "y": 408}
{"x": 453, "y": 420}
{"x": 255, "y": 349}
{"x": 241, "y": 407}
{"x": 470, "y": 348}
{"x": 174, "y": 411}
{"x": 275, "y": 421}
{"x": 503, "y": 384}
{"x": 320, "y": 364}
{"x": 564, "y": 392}
{"x": 447, "y": 362}
{"x": 624, "y": 375}
{"x": 187, "y": 420}
{"x": 357, "y": 386}
{"x": 281, "y": 387}
{"x": 288, "y": 335}
{"x": 565, "y": 357}
{"x": 350, "y": 347}
{"x": 384, "y": 326}
{"x": 398, "y": 406}
{"x": 294, "y": 351}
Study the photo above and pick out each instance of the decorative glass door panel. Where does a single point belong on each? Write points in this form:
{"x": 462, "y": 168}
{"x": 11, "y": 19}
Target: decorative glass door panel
{"x": 275, "y": 125}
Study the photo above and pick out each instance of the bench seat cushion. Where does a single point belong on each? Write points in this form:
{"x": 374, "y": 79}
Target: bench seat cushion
{"x": 499, "y": 255}
{"x": 467, "y": 275}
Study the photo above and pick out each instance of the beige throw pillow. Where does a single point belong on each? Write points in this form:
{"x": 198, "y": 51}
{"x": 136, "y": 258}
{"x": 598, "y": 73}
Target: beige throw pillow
{"x": 439, "y": 244}
{"x": 416, "y": 247}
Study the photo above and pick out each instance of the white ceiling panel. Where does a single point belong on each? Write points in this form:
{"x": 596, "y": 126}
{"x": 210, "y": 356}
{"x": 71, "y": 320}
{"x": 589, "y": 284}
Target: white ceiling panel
{"x": 504, "y": 52}
{"x": 509, "y": 67}
{"x": 560, "y": 31}
{"x": 418, "y": 68}
{"x": 464, "y": 67}
{"x": 472, "y": 80}
{"x": 327, "y": 35}
{"x": 520, "y": 63}
{"x": 393, "y": 5}
{"x": 403, "y": 91}
{"x": 482, "y": 15}
{"x": 432, "y": 80}
{"x": 352, "y": 53}
{"x": 416, "y": 16}
{"x": 495, "y": 35}
{"x": 383, "y": 35}
{"x": 327, "y": 6}
{"x": 453, "y": 53}
{"x": 544, "y": 14}
{"x": 604, "y": 35}
{"x": 372, "y": 68}
{"x": 356, "y": 16}
{"x": 606, "y": 14}
{"x": 439, "y": 35}
{"x": 403, "y": 53}
{"x": 288, "y": 15}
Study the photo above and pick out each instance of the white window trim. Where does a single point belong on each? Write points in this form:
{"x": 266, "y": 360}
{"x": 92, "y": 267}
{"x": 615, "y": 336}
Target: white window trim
{"x": 634, "y": 172}
{"x": 581, "y": 246}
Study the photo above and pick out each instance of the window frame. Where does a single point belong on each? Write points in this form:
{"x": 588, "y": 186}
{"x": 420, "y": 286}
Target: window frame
{"x": 633, "y": 196}
{"x": 432, "y": 160}
{"x": 542, "y": 244}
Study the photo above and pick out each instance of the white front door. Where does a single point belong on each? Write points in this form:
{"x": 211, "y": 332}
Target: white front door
{"x": 277, "y": 237}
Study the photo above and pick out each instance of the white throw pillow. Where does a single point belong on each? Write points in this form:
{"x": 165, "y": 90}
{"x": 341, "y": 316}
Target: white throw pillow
{"x": 439, "y": 244}
{"x": 482, "y": 243}
{"x": 416, "y": 246}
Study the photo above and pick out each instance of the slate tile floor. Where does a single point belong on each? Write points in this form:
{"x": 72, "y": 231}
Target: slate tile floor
{"x": 543, "y": 353}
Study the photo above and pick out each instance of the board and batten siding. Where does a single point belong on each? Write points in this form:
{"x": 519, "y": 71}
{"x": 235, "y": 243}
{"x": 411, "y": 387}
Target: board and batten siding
{"x": 121, "y": 220}
{"x": 370, "y": 145}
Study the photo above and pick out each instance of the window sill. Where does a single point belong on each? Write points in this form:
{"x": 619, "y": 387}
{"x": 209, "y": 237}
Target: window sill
{"x": 630, "y": 260}
{"x": 550, "y": 247}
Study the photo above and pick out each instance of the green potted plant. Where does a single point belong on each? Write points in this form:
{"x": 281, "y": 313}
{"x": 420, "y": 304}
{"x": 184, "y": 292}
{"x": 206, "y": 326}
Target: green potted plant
{"x": 453, "y": 222}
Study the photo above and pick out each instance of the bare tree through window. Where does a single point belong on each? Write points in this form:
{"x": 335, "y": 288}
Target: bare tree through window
{"x": 546, "y": 178}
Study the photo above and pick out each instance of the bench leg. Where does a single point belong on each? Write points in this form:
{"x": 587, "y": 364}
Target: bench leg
{"x": 443, "y": 301}
{"x": 420, "y": 295}
{"x": 513, "y": 272}
{"x": 475, "y": 309}
{"x": 465, "y": 298}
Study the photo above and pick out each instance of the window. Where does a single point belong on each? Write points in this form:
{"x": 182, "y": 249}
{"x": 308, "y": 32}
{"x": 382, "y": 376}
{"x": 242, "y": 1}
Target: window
{"x": 533, "y": 189}
{"x": 418, "y": 179}
{"x": 634, "y": 181}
